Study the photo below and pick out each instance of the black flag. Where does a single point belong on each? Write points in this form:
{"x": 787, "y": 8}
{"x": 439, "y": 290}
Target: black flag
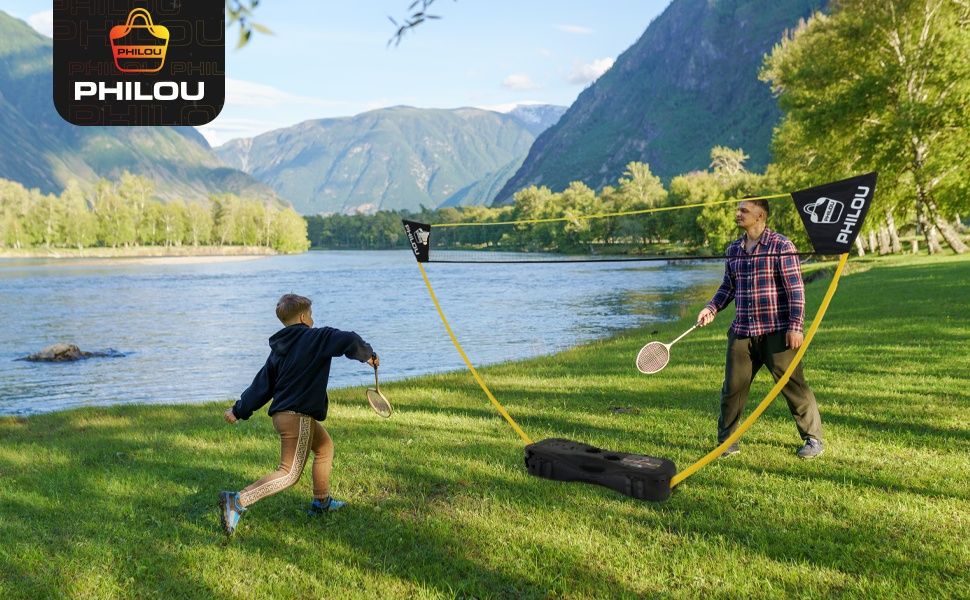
{"x": 419, "y": 236}
{"x": 833, "y": 213}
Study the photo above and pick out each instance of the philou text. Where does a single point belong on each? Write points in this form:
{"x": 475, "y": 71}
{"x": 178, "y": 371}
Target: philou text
{"x": 848, "y": 225}
{"x": 132, "y": 90}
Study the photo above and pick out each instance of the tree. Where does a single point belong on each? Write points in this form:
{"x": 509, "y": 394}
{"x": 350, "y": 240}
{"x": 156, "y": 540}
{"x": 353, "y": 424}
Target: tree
{"x": 224, "y": 209}
{"x": 116, "y": 220}
{"x": 199, "y": 223}
{"x": 14, "y": 205}
{"x": 136, "y": 192}
{"x": 881, "y": 84}
{"x": 43, "y": 219}
{"x": 728, "y": 162}
{"x": 639, "y": 189}
{"x": 79, "y": 228}
{"x": 289, "y": 232}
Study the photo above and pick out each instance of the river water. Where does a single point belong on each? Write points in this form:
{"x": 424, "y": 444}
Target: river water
{"x": 196, "y": 332}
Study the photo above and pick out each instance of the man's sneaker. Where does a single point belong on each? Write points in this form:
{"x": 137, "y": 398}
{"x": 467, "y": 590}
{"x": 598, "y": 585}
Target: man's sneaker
{"x": 319, "y": 507}
{"x": 731, "y": 450}
{"x": 230, "y": 511}
{"x": 811, "y": 449}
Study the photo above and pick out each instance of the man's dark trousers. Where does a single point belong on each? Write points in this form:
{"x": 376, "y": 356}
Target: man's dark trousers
{"x": 745, "y": 357}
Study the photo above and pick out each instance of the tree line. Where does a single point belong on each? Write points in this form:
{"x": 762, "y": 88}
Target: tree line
{"x": 125, "y": 213}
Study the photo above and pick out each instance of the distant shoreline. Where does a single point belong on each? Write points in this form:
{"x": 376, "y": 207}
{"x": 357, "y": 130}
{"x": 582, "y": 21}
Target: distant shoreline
{"x": 148, "y": 254}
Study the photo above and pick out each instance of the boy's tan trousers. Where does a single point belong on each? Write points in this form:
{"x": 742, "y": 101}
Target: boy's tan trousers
{"x": 299, "y": 434}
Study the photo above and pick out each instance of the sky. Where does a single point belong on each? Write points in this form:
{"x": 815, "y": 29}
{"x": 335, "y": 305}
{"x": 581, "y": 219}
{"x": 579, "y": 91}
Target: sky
{"x": 332, "y": 59}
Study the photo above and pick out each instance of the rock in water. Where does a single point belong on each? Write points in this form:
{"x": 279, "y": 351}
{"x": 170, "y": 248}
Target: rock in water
{"x": 66, "y": 352}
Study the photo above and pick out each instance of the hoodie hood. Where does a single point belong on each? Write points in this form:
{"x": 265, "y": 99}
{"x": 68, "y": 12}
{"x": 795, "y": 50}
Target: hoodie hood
{"x": 283, "y": 340}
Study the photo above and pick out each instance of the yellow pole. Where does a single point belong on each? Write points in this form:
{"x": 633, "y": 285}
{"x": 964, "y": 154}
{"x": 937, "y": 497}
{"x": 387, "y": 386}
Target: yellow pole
{"x": 775, "y": 390}
{"x": 468, "y": 363}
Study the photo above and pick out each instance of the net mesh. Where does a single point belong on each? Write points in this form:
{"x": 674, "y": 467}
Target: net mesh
{"x": 379, "y": 402}
{"x": 571, "y": 240}
{"x": 548, "y": 233}
{"x": 652, "y": 358}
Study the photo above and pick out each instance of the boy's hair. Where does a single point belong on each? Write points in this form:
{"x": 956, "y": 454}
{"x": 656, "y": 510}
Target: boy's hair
{"x": 291, "y": 306}
{"x": 763, "y": 204}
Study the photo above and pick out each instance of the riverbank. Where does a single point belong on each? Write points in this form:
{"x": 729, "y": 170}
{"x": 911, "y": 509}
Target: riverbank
{"x": 120, "y": 502}
{"x": 170, "y": 252}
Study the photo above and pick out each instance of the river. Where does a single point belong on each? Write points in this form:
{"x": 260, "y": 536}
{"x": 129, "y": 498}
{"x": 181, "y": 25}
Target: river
{"x": 197, "y": 331}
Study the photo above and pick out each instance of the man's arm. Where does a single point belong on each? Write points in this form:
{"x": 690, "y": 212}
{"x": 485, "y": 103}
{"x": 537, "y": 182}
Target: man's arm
{"x": 259, "y": 392}
{"x": 791, "y": 280}
{"x": 722, "y": 297}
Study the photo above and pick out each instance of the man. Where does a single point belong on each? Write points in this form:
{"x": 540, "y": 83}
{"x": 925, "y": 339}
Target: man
{"x": 770, "y": 300}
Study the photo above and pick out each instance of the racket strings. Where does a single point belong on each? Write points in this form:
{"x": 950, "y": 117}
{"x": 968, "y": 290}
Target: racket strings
{"x": 379, "y": 402}
{"x": 653, "y": 357}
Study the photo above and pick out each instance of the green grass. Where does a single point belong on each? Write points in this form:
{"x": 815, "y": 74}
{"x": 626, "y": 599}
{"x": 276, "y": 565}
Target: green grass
{"x": 120, "y": 502}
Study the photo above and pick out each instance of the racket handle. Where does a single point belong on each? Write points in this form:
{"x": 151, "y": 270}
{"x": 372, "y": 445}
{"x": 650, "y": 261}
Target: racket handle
{"x": 684, "y": 334}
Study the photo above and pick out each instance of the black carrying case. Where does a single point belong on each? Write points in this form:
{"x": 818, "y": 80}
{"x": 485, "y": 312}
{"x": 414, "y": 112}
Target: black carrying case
{"x": 636, "y": 475}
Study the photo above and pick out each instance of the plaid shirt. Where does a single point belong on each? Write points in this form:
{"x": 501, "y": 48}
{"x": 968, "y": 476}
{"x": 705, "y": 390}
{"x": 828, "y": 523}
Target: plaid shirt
{"x": 768, "y": 292}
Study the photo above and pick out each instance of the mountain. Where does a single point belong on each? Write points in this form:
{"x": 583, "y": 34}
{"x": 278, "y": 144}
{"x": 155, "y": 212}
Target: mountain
{"x": 39, "y": 149}
{"x": 486, "y": 188}
{"x": 392, "y": 158}
{"x": 689, "y": 83}
{"x": 537, "y": 117}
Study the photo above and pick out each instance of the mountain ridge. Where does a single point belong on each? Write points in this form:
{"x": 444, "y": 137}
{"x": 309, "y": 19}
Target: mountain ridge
{"x": 690, "y": 82}
{"x": 397, "y": 157}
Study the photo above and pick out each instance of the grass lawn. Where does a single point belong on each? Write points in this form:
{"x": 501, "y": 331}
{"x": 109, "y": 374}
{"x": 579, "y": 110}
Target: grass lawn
{"x": 121, "y": 502}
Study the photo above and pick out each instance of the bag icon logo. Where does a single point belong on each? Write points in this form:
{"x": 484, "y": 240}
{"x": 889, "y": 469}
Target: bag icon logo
{"x": 824, "y": 210}
{"x": 139, "y": 48}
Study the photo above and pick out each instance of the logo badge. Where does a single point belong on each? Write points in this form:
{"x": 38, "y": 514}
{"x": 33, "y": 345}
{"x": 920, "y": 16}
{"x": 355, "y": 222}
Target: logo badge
{"x": 138, "y": 62}
{"x": 133, "y": 56}
{"x": 824, "y": 210}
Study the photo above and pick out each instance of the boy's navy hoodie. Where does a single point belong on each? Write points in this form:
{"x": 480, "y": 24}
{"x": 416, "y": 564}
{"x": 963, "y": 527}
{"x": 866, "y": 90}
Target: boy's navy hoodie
{"x": 295, "y": 374}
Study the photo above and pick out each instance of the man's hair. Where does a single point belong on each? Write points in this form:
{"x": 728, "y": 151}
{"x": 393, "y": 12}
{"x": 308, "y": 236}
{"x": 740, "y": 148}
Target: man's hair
{"x": 291, "y": 306}
{"x": 760, "y": 203}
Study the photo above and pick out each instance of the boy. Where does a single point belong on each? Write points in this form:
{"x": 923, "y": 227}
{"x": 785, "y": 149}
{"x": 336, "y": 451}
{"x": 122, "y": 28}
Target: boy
{"x": 295, "y": 377}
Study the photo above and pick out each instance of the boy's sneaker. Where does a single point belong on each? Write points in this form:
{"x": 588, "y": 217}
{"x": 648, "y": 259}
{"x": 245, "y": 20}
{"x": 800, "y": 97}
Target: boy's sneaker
{"x": 319, "y": 507}
{"x": 811, "y": 449}
{"x": 230, "y": 511}
{"x": 731, "y": 450}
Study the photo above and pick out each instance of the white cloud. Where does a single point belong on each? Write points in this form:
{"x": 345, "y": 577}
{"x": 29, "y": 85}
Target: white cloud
{"x": 545, "y": 53}
{"x": 574, "y": 29}
{"x": 581, "y": 74}
{"x": 247, "y": 94}
{"x": 43, "y": 22}
{"x": 519, "y": 82}
{"x": 507, "y": 107}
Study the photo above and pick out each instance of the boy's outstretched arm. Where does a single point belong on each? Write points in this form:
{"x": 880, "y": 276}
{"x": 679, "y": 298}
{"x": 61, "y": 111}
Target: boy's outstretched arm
{"x": 259, "y": 392}
{"x": 349, "y": 344}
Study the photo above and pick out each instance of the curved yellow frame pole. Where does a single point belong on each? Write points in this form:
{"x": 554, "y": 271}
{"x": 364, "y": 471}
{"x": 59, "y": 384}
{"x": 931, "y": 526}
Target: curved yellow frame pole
{"x": 778, "y": 385}
{"x": 468, "y": 363}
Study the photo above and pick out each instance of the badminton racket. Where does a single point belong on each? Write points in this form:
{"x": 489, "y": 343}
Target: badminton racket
{"x": 653, "y": 357}
{"x": 378, "y": 401}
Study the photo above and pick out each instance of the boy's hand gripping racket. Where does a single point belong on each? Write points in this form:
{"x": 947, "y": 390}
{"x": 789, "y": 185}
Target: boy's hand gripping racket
{"x": 378, "y": 401}
{"x": 653, "y": 357}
